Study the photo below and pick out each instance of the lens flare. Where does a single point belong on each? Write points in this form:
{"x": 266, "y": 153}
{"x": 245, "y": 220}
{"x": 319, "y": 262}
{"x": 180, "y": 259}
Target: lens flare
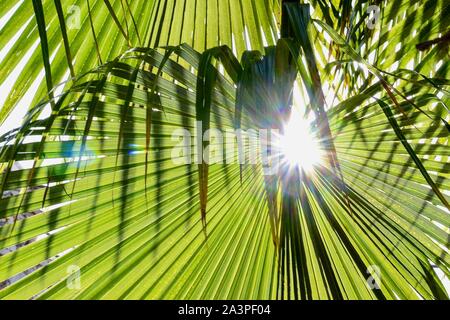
{"x": 299, "y": 144}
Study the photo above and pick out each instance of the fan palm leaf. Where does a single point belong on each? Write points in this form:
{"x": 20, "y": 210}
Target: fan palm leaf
{"x": 93, "y": 186}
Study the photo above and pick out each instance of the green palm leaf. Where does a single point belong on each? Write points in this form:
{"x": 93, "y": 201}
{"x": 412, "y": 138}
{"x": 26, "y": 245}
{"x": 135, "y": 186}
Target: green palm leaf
{"x": 93, "y": 187}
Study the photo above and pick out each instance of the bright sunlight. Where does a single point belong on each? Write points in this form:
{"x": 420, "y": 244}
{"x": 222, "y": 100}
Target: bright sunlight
{"x": 299, "y": 144}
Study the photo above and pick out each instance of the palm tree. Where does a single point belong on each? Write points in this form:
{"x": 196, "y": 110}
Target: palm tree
{"x": 94, "y": 206}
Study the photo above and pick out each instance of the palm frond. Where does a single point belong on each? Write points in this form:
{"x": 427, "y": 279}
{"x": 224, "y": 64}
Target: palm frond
{"x": 94, "y": 184}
